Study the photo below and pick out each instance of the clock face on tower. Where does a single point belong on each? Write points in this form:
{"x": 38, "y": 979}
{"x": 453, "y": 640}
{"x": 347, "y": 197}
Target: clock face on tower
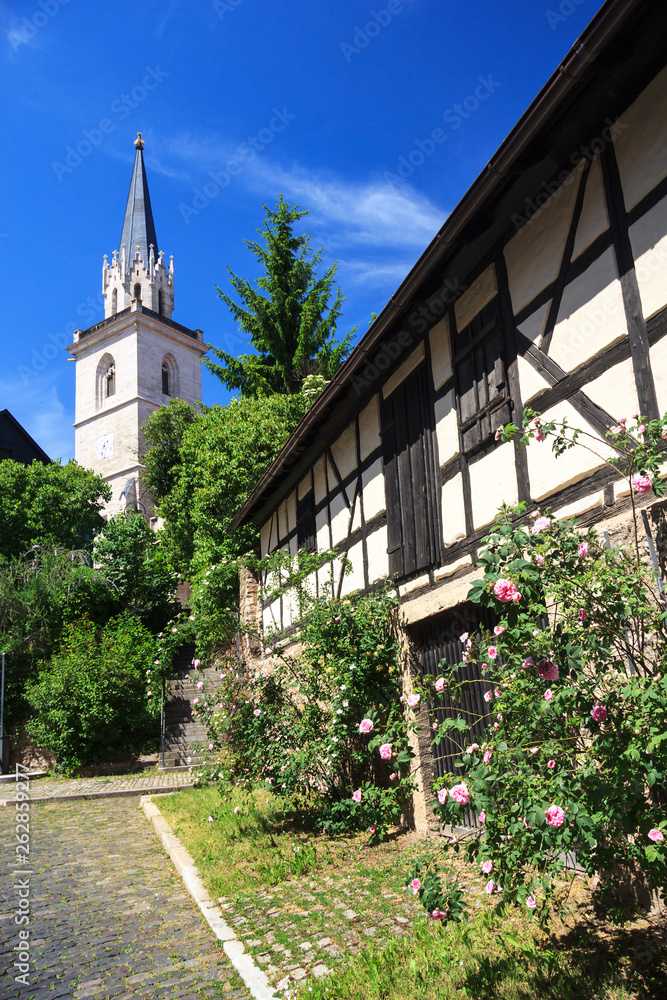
{"x": 104, "y": 446}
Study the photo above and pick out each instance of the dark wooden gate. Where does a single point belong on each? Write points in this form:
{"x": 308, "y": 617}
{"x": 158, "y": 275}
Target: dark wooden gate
{"x": 438, "y": 638}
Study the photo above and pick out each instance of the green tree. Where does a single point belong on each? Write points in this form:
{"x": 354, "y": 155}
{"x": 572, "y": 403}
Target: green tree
{"x": 133, "y": 562}
{"x": 222, "y": 454}
{"x": 51, "y": 504}
{"x": 289, "y": 320}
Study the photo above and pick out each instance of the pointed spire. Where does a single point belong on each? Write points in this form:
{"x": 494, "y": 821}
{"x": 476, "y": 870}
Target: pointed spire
{"x": 138, "y": 225}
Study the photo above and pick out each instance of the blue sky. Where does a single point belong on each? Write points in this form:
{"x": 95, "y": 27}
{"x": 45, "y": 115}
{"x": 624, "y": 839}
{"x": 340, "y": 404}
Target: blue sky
{"x": 333, "y": 101}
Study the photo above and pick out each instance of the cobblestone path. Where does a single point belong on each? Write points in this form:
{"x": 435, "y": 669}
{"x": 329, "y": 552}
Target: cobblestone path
{"x": 109, "y": 917}
{"x": 135, "y": 784}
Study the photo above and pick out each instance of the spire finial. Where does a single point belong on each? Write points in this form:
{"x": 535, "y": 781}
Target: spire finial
{"x": 138, "y": 142}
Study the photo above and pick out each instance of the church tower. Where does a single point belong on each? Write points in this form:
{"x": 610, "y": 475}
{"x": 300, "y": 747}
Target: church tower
{"x": 136, "y": 359}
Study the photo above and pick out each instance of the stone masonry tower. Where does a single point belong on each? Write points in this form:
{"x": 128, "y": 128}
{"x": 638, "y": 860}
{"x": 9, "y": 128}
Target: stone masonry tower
{"x": 136, "y": 359}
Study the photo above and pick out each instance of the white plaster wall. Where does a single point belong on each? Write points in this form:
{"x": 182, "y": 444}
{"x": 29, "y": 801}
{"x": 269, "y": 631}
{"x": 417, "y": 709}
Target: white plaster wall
{"x": 264, "y": 538}
{"x": 579, "y": 506}
{"x": 291, "y": 510}
{"x": 344, "y": 451}
{"x": 533, "y": 256}
{"x": 615, "y": 390}
{"x": 373, "y": 490}
{"x": 282, "y": 519}
{"x": 649, "y": 247}
{"x": 153, "y": 344}
{"x": 355, "y": 500}
{"x": 446, "y": 427}
{"x": 492, "y": 481}
{"x": 441, "y": 352}
{"x": 122, "y": 346}
{"x": 378, "y": 561}
{"x": 533, "y": 326}
{"x": 340, "y": 518}
{"x": 591, "y": 316}
{"x": 322, "y": 529}
{"x": 548, "y": 473}
{"x": 453, "y": 514}
{"x": 320, "y": 480}
{"x": 641, "y": 147}
{"x": 271, "y": 616}
{"x": 480, "y": 293}
{"x": 404, "y": 370}
{"x": 659, "y": 368}
{"x": 355, "y": 579}
{"x": 304, "y": 486}
{"x": 531, "y": 381}
{"x": 369, "y": 427}
{"x": 593, "y": 219}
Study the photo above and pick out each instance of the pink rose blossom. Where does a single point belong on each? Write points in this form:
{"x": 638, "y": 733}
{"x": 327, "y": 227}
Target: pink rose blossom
{"x": 356, "y": 796}
{"x": 365, "y": 726}
{"x": 440, "y": 683}
{"x": 210, "y": 746}
{"x": 641, "y": 429}
{"x": 200, "y": 685}
{"x": 415, "y": 885}
{"x": 582, "y": 550}
{"x": 482, "y": 817}
{"x": 656, "y": 836}
{"x": 371, "y": 829}
{"x": 392, "y": 776}
{"x": 528, "y": 662}
{"x": 385, "y": 751}
{"x": 548, "y": 694}
{"x": 642, "y": 484}
{"x": 531, "y": 903}
{"x": 488, "y": 695}
{"x": 442, "y": 796}
{"x": 492, "y": 652}
{"x": 461, "y": 794}
{"x": 599, "y": 713}
{"x": 547, "y": 670}
{"x": 505, "y": 590}
{"x": 464, "y": 637}
{"x": 582, "y": 615}
{"x": 551, "y": 764}
{"x": 534, "y": 750}
{"x": 487, "y": 867}
{"x": 413, "y": 700}
{"x": 488, "y": 888}
{"x": 485, "y": 666}
{"x": 195, "y": 701}
{"x": 539, "y": 560}
{"x": 498, "y": 434}
{"x": 487, "y": 756}
{"x": 210, "y": 819}
{"x": 236, "y": 810}
{"x": 555, "y": 815}
{"x": 434, "y": 725}
{"x": 472, "y": 748}
{"x": 541, "y": 524}
{"x": 498, "y": 629}
{"x": 257, "y": 712}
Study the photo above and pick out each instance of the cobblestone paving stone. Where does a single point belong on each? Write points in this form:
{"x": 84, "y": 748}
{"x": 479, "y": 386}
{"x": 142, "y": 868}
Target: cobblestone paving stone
{"x": 308, "y": 928}
{"x": 139, "y": 784}
{"x": 110, "y": 918}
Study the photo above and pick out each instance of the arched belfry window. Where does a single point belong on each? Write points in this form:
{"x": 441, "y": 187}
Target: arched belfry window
{"x": 169, "y": 376}
{"x": 110, "y": 381}
{"x": 106, "y": 381}
{"x": 137, "y": 291}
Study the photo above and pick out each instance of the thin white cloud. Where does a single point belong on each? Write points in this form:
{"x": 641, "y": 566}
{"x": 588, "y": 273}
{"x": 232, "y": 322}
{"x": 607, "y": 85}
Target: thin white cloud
{"x": 38, "y": 408}
{"x": 372, "y": 274}
{"x": 343, "y": 212}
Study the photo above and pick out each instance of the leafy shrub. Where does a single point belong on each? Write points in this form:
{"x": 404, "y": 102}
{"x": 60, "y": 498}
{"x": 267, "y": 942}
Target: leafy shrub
{"x": 298, "y": 728}
{"x": 89, "y": 700}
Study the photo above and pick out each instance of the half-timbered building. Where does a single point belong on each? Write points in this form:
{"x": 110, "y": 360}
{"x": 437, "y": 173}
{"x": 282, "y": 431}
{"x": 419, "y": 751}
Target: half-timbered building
{"x": 546, "y": 287}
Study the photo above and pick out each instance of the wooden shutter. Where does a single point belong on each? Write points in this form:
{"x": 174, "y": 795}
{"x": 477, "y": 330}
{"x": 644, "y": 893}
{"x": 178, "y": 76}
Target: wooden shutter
{"x": 481, "y": 377}
{"x": 410, "y": 474}
{"x": 305, "y": 522}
